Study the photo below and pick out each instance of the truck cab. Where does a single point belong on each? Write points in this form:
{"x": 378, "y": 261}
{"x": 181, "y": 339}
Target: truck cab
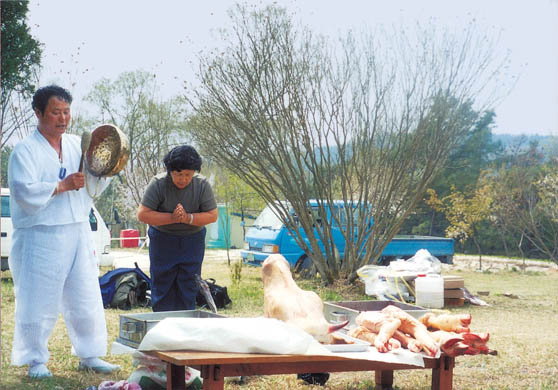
{"x": 269, "y": 235}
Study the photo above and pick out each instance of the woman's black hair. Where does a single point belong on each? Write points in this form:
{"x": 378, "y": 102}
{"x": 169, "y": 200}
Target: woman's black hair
{"x": 182, "y": 157}
{"x": 42, "y": 96}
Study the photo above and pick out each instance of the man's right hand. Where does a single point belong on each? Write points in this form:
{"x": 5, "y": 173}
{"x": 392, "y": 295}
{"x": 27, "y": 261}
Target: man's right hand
{"x": 75, "y": 181}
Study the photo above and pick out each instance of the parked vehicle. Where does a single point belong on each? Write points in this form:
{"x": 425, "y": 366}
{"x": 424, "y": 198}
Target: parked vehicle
{"x": 6, "y": 227}
{"x": 101, "y": 238}
{"x": 269, "y": 235}
{"x": 101, "y": 234}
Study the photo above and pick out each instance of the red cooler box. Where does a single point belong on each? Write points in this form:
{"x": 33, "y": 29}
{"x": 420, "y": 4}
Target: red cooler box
{"x": 132, "y": 238}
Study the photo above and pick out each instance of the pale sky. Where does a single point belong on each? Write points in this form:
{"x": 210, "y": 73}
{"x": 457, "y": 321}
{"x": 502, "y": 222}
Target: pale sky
{"x": 86, "y": 40}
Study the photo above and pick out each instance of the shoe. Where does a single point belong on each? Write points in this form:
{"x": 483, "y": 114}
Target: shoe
{"x": 38, "y": 371}
{"x": 318, "y": 378}
{"x": 97, "y": 365}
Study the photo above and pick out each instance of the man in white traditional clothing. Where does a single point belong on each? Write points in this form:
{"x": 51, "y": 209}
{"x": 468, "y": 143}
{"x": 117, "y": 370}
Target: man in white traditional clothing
{"x": 52, "y": 257}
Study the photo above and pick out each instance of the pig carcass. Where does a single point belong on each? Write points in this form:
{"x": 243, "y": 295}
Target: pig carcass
{"x": 285, "y": 301}
{"x": 376, "y": 339}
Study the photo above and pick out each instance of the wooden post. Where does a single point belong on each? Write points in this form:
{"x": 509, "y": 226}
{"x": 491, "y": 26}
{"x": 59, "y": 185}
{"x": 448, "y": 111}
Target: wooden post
{"x": 175, "y": 377}
{"x": 384, "y": 380}
{"x": 212, "y": 378}
{"x": 442, "y": 377}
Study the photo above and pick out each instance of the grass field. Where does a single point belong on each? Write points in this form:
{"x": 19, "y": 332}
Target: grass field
{"x": 522, "y": 331}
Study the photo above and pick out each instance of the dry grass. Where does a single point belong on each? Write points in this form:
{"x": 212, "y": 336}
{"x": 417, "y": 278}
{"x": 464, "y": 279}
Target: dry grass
{"x": 521, "y": 330}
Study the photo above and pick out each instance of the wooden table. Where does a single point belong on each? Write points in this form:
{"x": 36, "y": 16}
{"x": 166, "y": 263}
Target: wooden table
{"x": 215, "y": 366}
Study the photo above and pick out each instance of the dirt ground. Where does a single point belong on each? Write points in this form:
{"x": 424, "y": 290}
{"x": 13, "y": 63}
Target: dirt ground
{"x": 494, "y": 264}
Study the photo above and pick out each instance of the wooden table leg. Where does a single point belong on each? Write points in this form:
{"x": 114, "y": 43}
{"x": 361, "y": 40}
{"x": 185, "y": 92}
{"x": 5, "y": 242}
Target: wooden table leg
{"x": 212, "y": 378}
{"x": 384, "y": 380}
{"x": 442, "y": 378}
{"x": 175, "y": 377}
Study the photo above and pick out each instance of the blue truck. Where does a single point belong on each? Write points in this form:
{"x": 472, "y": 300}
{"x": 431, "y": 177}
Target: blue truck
{"x": 269, "y": 235}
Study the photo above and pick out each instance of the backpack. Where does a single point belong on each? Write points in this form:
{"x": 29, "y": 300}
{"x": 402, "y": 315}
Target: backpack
{"x": 123, "y": 288}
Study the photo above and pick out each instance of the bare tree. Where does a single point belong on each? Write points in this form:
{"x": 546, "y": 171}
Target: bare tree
{"x": 152, "y": 125}
{"x": 368, "y": 122}
{"x": 238, "y": 198}
{"x": 17, "y": 118}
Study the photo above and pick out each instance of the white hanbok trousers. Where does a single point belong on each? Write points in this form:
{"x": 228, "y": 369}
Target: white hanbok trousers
{"x": 54, "y": 270}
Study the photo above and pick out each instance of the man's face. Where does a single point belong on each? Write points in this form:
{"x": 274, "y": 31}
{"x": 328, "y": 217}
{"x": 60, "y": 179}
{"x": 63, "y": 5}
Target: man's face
{"x": 182, "y": 178}
{"x": 54, "y": 121}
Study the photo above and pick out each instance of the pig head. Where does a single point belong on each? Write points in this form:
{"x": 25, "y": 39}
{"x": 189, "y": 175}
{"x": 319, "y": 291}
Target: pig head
{"x": 285, "y": 301}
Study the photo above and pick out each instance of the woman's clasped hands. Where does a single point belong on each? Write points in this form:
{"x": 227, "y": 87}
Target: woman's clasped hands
{"x": 179, "y": 215}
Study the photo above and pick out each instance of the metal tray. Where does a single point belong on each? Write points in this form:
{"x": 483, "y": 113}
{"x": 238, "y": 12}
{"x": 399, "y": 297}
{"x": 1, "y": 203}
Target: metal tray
{"x": 357, "y": 346}
{"x": 341, "y": 311}
{"x": 133, "y": 327}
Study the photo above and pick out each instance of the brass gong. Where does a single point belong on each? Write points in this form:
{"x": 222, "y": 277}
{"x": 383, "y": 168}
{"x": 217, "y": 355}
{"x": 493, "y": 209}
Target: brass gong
{"x": 108, "y": 151}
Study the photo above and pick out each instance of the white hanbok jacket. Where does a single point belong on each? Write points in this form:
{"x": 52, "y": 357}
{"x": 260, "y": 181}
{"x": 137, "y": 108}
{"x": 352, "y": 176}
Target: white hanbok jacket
{"x": 33, "y": 175}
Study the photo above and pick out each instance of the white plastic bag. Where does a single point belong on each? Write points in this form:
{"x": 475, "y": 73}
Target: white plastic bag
{"x": 155, "y": 369}
{"x": 148, "y": 366}
{"x": 368, "y": 275}
{"x": 380, "y": 283}
{"x": 422, "y": 262}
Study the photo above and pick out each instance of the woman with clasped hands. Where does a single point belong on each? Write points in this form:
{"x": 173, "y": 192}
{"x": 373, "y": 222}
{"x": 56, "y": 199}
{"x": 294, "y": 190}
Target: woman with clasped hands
{"x": 177, "y": 205}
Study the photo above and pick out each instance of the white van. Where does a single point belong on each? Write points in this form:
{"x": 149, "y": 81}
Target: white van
{"x": 7, "y": 228}
{"x": 101, "y": 234}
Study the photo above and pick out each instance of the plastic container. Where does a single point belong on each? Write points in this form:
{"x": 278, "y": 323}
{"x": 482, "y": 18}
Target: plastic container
{"x": 130, "y": 238}
{"x": 429, "y": 290}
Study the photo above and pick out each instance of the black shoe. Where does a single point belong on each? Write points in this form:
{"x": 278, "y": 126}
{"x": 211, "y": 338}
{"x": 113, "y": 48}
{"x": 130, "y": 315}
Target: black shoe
{"x": 317, "y": 378}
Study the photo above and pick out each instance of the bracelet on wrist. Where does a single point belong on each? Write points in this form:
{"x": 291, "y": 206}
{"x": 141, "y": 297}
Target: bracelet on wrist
{"x": 191, "y": 218}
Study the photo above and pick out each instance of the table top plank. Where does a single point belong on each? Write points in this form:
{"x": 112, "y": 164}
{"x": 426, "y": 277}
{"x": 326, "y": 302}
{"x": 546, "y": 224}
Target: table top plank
{"x": 195, "y": 358}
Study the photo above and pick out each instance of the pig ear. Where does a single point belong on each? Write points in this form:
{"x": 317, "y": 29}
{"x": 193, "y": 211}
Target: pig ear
{"x": 449, "y": 343}
{"x": 333, "y": 328}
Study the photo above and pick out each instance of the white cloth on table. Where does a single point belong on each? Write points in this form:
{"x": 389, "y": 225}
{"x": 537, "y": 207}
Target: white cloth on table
{"x": 52, "y": 257}
{"x": 240, "y": 335}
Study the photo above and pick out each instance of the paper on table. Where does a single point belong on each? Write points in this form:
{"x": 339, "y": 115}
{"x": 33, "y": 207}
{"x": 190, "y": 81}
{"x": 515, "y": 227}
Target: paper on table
{"x": 401, "y": 355}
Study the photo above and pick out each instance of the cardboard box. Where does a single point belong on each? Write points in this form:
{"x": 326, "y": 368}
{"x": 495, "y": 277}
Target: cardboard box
{"x": 453, "y": 293}
{"x": 454, "y": 301}
{"x": 451, "y": 282}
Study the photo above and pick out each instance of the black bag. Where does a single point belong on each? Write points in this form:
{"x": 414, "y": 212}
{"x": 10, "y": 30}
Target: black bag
{"x": 130, "y": 291}
{"x": 218, "y": 293}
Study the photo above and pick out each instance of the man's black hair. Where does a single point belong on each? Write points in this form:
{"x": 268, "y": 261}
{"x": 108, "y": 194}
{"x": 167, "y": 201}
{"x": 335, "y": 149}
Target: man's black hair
{"x": 183, "y": 157}
{"x": 42, "y": 96}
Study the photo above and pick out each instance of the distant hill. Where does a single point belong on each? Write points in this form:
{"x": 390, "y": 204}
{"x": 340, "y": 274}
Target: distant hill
{"x": 547, "y": 143}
